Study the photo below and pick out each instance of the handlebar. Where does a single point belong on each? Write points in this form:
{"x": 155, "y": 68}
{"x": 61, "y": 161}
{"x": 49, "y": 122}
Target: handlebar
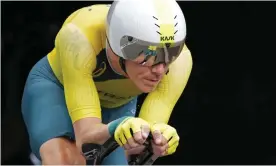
{"x": 146, "y": 157}
{"x": 95, "y": 153}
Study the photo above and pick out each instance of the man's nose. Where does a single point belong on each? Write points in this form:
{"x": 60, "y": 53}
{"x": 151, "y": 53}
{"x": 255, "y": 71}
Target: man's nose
{"x": 159, "y": 68}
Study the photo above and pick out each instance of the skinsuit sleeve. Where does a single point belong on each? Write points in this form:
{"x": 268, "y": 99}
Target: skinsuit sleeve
{"x": 159, "y": 104}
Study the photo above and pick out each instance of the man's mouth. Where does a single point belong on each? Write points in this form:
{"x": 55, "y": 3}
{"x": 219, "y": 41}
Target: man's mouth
{"x": 152, "y": 81}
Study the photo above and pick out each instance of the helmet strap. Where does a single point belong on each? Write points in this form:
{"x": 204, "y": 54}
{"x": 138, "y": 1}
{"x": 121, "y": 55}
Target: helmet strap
{"x": 117, "y": 63}
{"x": 122, "y": 63}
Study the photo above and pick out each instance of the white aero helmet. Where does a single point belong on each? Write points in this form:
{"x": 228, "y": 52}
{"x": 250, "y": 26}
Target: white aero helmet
{"x": 156, "y": 28}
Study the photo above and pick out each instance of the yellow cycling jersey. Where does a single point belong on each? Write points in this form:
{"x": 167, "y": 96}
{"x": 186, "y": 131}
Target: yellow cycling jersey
{"x": 80, "y": 63}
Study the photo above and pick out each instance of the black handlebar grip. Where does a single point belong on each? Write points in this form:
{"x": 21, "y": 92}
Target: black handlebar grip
{"x": 95, "y": 153}
{"x": 146, "y": 157}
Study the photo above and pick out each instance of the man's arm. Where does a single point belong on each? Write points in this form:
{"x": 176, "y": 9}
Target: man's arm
{"x": 78, "y": 60}
{"x": 159, "y": 104}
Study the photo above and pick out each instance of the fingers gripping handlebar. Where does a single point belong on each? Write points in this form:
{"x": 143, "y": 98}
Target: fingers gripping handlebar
{"x": 95, "y": 153}
{"x": 145, "y": 158}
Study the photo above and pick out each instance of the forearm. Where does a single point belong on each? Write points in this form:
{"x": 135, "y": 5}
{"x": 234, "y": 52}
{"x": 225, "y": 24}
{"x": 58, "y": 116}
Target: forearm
{"x": 90, "y": 130}
{"x": 155, "y": 111}
{"x": 159, "y": 104}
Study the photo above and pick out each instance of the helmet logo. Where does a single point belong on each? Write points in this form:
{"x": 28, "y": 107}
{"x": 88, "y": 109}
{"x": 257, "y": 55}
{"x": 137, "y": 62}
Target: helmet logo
{"x": 167, "y": 33}
{"x": 166, "y": 38}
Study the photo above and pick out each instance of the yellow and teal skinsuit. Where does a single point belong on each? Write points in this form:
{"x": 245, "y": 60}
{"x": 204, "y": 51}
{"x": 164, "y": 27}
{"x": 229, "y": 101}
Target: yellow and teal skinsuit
{"x": 75, "y": 81}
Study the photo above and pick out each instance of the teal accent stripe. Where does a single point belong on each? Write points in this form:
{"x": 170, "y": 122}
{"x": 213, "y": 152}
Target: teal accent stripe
{"x": 114, "y": 124}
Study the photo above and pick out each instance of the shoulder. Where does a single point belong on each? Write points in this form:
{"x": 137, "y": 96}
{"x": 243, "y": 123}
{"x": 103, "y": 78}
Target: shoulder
{"x": 91, "y": 21}
{"x": 94, "y": 13}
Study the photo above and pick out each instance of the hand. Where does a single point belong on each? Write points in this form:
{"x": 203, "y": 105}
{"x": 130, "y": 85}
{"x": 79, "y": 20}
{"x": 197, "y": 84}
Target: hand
{"x": 165, "y": 139}
{"x": 126, "y": 138}
{"x": 135, "y": 151}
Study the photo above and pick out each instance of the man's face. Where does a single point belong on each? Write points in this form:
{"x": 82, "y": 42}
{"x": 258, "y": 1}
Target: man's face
{"x": 145, "y": 76}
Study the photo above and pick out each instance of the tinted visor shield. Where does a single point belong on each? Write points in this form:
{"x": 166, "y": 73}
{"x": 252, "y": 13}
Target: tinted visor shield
{"x": 160, "y": 53}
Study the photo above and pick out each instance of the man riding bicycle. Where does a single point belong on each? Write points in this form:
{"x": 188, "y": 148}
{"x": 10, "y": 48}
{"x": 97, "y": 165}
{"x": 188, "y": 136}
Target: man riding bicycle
{"x": 85, "y": 90}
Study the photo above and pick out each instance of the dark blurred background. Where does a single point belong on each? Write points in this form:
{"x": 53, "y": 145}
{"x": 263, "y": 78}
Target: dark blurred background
{"x": 226, "y": 114}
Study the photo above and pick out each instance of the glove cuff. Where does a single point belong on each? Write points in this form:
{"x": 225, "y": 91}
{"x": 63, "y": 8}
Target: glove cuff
{"x": 114, "y": 124}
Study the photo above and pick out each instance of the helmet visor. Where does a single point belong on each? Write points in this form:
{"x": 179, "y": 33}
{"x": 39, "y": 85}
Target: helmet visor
{"x": 132, "y": 48}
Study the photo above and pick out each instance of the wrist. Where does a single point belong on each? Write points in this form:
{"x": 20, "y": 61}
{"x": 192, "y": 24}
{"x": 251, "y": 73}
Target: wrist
{"x": 114, "y": 124}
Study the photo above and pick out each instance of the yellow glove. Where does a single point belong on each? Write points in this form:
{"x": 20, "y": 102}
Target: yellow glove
{"x": 166, "y": 137}
{"x": 132, "y": 132}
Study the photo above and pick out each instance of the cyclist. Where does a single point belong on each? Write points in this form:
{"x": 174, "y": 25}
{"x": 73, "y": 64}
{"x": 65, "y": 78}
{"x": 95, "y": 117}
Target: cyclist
{"x": 85, "y": 90}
